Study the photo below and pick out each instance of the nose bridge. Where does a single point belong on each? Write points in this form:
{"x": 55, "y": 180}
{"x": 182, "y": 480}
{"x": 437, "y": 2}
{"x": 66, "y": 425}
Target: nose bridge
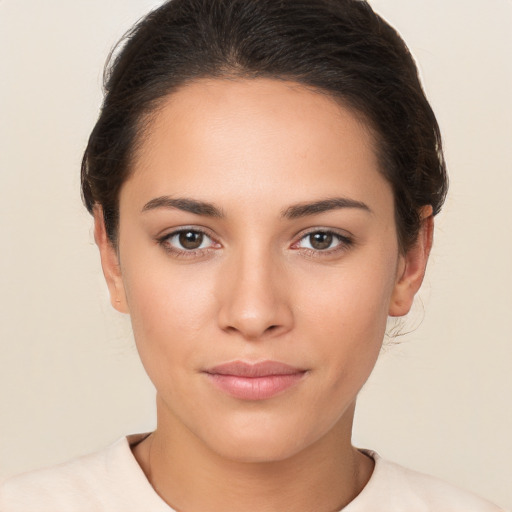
{"x": 254, "y": 300}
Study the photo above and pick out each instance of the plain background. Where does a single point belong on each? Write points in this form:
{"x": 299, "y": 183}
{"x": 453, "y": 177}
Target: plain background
{"x": 70, "y": 380}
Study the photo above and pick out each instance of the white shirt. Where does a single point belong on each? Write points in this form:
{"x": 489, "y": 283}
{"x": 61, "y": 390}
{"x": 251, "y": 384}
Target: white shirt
{"x": 112, "y": 481}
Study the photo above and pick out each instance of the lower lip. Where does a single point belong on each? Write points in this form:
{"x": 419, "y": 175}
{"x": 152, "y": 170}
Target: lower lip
{"x": 255, "y": 388}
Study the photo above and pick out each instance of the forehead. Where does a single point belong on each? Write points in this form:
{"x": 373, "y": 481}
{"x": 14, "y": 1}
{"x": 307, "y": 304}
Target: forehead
{"x": 240, "y": 137}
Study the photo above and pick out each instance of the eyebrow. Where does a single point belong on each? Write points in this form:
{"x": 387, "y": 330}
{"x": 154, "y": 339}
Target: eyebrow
{"x": 292, "y": 212}
{"x": 185, "y": 204}
{"x": 334, "y": 203}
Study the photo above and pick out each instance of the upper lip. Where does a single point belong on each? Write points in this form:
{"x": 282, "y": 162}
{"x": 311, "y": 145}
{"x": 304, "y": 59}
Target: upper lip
{"x": 261, "y": 369}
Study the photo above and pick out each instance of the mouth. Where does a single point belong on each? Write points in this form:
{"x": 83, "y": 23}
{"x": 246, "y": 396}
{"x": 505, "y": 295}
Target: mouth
{"x": 254, "y": 381}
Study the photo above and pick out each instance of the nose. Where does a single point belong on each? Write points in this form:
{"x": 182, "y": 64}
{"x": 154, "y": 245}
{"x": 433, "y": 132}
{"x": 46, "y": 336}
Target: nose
{"x": 254, "y": 300}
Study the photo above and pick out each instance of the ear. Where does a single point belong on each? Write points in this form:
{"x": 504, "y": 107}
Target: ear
{"x": 109, "y": 263}
{"x": 412, "y": 265}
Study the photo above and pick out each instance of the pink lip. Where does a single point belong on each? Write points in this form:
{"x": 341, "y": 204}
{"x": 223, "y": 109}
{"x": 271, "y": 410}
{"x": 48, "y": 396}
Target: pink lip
{"x": 254, "y": 381}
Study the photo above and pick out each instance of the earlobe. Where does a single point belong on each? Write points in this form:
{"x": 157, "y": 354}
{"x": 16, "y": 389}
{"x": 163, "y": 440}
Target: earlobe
{"x": 109, "y": 263}
{"x": 412, "y": 267}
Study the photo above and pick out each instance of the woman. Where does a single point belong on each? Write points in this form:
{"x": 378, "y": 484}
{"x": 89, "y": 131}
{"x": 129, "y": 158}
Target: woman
{"x": 263, "y": 178}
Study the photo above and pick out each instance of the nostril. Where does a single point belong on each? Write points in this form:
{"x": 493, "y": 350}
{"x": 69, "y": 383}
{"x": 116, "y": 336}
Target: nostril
{"x": 253, "y": 315}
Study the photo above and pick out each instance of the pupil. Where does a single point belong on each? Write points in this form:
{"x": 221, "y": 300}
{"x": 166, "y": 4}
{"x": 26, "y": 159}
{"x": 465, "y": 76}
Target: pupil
{"x": 191, "y": 239}
{"x": 321, "y": 240}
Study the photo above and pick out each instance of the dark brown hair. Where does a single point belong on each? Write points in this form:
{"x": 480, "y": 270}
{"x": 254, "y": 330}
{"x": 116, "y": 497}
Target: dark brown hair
{"x": 339, "y": 47}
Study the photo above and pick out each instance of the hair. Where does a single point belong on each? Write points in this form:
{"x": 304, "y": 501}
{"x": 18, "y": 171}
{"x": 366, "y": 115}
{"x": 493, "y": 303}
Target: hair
{"x": 338, "y": 47}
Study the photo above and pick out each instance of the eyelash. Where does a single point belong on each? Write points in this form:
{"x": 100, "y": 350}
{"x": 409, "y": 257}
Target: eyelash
{"x": 164, "y": 241}
{"x": 344, "y": 243}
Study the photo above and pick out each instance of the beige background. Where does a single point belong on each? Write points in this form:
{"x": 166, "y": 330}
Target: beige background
{"x": 70, "y": 380}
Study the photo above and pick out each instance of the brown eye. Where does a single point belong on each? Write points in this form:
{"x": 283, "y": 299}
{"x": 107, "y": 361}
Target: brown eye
{"x": 324, "y": 242}
{"x": 320, "y": 241}
{"x": 190, "y": 240}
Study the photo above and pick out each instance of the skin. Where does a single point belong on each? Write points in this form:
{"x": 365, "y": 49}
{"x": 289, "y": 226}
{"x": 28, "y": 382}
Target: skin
{"x": 257, "y": 289}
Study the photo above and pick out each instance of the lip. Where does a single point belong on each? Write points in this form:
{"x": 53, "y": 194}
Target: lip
{"x": 254, "y": 381}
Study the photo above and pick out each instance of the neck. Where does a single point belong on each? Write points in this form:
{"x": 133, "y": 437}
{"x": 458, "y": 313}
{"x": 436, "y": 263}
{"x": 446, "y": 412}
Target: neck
{"x": 191, "y": 477}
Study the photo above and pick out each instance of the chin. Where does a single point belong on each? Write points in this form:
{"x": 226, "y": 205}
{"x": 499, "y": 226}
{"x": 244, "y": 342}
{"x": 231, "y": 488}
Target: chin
{"x": 258, "y": 449}
{"x": 261, "y": 441}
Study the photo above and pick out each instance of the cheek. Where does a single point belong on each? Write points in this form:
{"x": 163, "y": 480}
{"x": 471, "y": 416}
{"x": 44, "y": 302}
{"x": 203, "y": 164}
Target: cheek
{"x": 346, "y": 314}
{"x": 351, "y": 305}
{"x": 169, "y": 308}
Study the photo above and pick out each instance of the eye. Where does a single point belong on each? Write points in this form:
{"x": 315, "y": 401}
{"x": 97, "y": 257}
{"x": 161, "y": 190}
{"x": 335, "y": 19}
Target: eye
{"x": 187, "y": 241}
{"x": 323, "y": 241}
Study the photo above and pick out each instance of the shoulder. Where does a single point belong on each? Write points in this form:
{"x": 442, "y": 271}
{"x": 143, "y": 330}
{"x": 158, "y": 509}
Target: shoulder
{"x": 107, "y": 480}
{"x": 73, "y": 485}
{"x": 398, "y": 489}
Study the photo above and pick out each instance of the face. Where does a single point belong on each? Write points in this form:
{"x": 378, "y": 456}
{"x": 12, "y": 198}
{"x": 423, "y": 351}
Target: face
{"x": 258, "y": 261}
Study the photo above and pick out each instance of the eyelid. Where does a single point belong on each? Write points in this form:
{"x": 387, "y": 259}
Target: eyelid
{"x": 168, "y": 231}
{"x": 342, "y": 233}
{"x": 163, "y": 240}
{"x": 346, "y": 240}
